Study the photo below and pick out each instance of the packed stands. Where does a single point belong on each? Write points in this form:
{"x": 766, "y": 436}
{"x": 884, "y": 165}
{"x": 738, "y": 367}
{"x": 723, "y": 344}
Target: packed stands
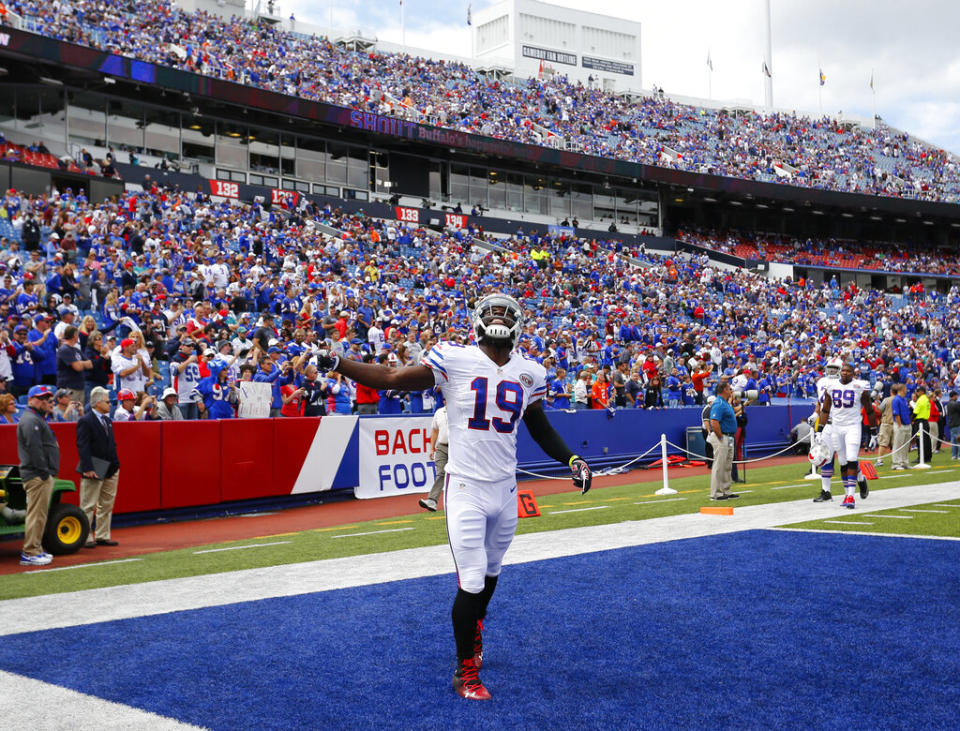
{"x": 796, "y": 150}
{"x": 176, "y": 265}
{"x": 838, "y": 254}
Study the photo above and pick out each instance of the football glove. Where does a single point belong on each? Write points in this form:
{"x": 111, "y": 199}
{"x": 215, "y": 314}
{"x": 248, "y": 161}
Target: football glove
{"x": 582, "y": 476}
{"x": 327, "y": 362}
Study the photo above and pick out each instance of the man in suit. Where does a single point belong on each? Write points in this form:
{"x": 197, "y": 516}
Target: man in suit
{"x": 95, "y": 439}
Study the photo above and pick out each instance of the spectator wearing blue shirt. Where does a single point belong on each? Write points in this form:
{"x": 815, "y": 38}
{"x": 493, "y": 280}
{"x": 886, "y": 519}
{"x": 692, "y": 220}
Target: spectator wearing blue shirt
{"x": 901, "y": 427}
{"x": 674, "y": 392}
{"x": 559, "y": 391}
{"x": 270, "y": 373}
{"x": 723, "y": 427}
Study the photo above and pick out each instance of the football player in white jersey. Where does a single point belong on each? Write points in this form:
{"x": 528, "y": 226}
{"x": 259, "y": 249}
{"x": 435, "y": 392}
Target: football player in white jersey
{"x": 842, "y": 403}
{"x": 824, "y": 428}
{"x": 488, "y": 388}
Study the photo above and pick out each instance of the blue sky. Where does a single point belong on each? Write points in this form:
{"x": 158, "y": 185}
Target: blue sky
{"x": 911, "y": 50}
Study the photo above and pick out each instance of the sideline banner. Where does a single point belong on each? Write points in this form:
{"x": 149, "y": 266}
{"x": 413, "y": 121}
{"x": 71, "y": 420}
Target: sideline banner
{"x": 395, "y": 457}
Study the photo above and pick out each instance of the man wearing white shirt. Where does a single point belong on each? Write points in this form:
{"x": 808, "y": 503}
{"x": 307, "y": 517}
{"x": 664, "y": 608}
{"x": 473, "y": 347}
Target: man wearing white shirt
{"x": 128, "y": 367}
{"x": 439, "y": 442}
{"x": 375, "y": 338}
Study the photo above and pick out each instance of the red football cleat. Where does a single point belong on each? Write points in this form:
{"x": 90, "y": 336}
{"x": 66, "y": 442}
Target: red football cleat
{"x": 478, "y": 645}
{"x": 466, "y": 681}
{"x": 848, "y": 502}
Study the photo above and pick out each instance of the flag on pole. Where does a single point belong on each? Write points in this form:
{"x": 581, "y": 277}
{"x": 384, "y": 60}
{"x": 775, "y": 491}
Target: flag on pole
{"x": 823, "y": 79}
{"x": 766, "y": 70}
{"x": 871, "y": 81}
{"x": 540, "y": 72}
{"x": 709, "y": 61}
{"x": 470, "y": 14}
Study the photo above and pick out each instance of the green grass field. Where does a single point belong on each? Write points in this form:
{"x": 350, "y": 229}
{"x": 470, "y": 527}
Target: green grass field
{"x": 602, "y": 506}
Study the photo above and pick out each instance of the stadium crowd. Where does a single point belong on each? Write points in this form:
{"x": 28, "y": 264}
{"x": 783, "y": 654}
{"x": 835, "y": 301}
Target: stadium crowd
{"x": 161, "y": 289}
{"x": 840, "y": 254}
{"x": 816, "y": 153}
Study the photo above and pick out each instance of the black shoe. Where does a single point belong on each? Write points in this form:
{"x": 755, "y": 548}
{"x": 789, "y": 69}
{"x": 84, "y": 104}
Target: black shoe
{"x": 823, "y": 497}
{"x": 864, "y": 487}
{"x": 106, "y": 542}
{"x": 720, "y": 497}
{"x": 732, "y": 496}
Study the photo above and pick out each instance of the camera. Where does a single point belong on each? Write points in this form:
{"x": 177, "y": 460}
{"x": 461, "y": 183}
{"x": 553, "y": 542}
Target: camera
{"x": 751, "y": 395}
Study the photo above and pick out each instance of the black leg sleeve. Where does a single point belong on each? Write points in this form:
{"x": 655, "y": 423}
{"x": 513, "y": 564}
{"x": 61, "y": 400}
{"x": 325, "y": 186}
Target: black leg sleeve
{"x": 466, "y": 612}
{"x": 489, "y": 586}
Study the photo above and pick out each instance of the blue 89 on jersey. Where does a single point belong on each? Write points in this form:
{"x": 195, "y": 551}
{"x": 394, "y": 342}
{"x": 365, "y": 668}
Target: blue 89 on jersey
{"x": 842, "y": 398}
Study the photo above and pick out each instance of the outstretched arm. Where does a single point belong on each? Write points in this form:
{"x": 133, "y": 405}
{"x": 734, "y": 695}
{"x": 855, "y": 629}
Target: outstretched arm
{"x": 374, "y": 375}
{"x": 552, "y": 443}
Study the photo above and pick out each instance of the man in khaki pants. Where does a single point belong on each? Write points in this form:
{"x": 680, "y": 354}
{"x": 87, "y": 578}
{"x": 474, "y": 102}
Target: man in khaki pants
{"x": 39, "y": 463}
{"x": 439, "y": 444}
{"x": 100, "y": 467}
{"x": 723, "y": 426}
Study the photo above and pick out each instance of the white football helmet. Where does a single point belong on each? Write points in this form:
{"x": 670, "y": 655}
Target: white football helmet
{"x": 833, "y": 367}
{"x": 506, "y": 333}
{"x": 819, "y": 453}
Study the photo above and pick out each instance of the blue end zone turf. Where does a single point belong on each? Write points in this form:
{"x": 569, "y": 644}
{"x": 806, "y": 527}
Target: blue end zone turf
{"x": 759, "y": 629}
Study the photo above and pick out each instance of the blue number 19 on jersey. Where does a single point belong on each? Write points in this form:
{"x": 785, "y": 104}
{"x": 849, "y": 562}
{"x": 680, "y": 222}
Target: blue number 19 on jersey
{"x": 509, "y": 400}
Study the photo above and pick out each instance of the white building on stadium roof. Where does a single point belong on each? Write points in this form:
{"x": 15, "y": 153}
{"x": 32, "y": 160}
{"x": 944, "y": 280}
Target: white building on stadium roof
{"x": 584, "y": 46}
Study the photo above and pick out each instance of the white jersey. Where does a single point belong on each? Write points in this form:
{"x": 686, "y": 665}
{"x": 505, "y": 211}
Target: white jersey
{"x": 846, "y": 408}
{"x": 484, "y": 403}
{"x": 824, "y": 383}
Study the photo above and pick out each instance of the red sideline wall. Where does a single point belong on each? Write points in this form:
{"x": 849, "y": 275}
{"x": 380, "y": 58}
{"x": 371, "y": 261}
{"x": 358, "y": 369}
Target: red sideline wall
{"x": 173, "y": 464}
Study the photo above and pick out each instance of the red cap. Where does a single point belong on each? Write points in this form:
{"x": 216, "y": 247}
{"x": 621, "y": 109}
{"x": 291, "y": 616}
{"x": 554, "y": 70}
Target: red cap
{"x": 125, "y": 393}
{"x": 126, "y": 342}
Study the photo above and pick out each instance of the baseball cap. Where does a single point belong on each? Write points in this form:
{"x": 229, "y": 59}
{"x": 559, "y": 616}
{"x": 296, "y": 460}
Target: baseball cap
{"x": 273, "y": 350}
{"x": 711, "y": 399}
{"x": 39, "y": 392}
{"x": 126, "y": 342}
{"x": 126, "y": 394}
{"x": 209, "y": 351}
{"x": 167, "y": 392}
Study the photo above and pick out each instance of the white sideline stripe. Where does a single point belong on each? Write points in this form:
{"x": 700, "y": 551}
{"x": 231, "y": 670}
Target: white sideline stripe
{"x": 668, "y": 500}
{"x": 743, "y": 492}
{"x": 894, "y": 477}
{"x": 867, "y": 533}
{"x": 578, "y": 510}
{"x": 946, "y": 505}
{"x": 35, "y": 704}
{"x": 847, "y": 522}
{"x": 897, "y": 517}
{"x": 370, "y": 532}
{"x": 82, "y": 566}
{"x": 918, "y": 510}
{"x": 787, "y": 487}
{"x": 194, "y": 592}
{"x": 240, "y": 548}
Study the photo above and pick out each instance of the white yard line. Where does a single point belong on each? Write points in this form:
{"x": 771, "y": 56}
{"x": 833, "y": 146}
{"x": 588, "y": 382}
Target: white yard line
{"x": 946, "y": 505}
{"x": 668, "y": 500}
{"x": 895, "y": 517}
{"x": 195, "y": 592}
{"x": 42, "y": 705}
{"x": 82, "y": 566}
{"x": 847, "y": 522}
{"x": 918, "y": 510}
{"x": 577, "y": 510}
{"x": 240, "y": 548}
{"x": 370, "y": 532}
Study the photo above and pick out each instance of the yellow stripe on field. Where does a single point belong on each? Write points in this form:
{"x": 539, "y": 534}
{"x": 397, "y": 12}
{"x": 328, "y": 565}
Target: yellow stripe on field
{"x": 334, "y": 527}
{"x": 393, "y": 522}
{"x": 277, "y": 535}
